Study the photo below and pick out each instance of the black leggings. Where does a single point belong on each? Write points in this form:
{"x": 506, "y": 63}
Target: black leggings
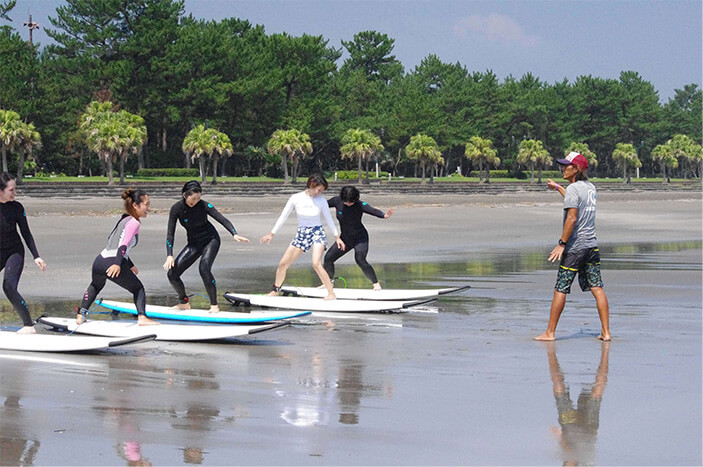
{"x": 186, "y": 258}
{"x": 13, "y": 263}
{"x": 361, "y": 249}
{"x": 126, "y": 279}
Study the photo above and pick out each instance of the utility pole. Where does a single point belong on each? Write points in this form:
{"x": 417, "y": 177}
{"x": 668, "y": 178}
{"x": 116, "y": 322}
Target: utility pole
{"x": 32, "y": 26}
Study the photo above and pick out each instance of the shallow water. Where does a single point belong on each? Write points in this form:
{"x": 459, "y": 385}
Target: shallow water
{"x": 458, "y": 382}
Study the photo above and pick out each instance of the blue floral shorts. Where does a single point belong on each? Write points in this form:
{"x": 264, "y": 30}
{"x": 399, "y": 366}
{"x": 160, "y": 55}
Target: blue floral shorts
{"x": 308, "y": 236}
{"x": 584, "y": 262}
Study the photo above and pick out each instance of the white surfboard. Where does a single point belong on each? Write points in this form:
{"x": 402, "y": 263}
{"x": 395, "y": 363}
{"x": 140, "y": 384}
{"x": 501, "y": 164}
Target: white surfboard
{"x": 163, "y": 332}
{"x": 10, "y": 340}
{"x": 204, "y": 316}
{"x": 370, "y": 294}
{"x": 318, "y": 304}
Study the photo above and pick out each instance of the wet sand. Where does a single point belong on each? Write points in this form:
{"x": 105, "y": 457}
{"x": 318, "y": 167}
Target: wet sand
{"x": 458, "y": 382}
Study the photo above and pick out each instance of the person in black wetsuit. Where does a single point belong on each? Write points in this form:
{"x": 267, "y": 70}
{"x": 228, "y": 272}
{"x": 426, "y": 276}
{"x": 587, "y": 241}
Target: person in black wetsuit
{"x": 114, "y": 263}
{"x": 12, "y": 215}
{"x": 349, "y": 211}
{"x": 203, "y": 242}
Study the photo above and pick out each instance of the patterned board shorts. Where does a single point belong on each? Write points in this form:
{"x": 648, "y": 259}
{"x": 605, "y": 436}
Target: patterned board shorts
{"x": 308, "y": 236}
{"x": 584, "y": 262}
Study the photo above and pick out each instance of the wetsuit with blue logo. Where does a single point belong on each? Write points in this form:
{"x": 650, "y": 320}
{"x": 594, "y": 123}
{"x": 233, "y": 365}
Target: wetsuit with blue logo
{"x": 203, "y": 243}
{"x": 12, "y": 215}
{"x": 354, "y": 235}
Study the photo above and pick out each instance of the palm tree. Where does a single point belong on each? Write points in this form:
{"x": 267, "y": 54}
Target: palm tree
{"x": 201, "y": 142}
{"x": 481, "y": 150}
{"x": 131, "y": 138}
{"x": 360, "y": 144}
{"x": 424, "y": 149}
{"x": 625, "y": 154}
{"x": 9, "y": 125}
{"x": 684, "y": 147}
{"x": 533, "y": 153}
{"x": 665, "y": 155}
{"x": 289, "y": 144}
{"x": 221, "y": 146}
{"x": 195, "y": 146}
{"x": 100, "y": 139}
{"x": 28, "y": 138}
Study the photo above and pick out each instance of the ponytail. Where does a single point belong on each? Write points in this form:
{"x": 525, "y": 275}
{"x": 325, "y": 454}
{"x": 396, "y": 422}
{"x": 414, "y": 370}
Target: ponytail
{"x": 132, "y": 196}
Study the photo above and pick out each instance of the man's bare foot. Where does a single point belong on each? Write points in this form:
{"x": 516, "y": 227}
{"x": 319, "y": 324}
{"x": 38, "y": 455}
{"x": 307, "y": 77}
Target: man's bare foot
{"x": 544, "y": 337}
{"x": 604, "y": 338}
{"x": 331, "y": 297}
{"x": 377, "y": 286}
{"x": 272, "y": 293}
{"x": 80, "y": 318}
{"x": 214, "y": 309}
{"x": 144, "y": 321}
{"x": 181, "y": 306}
{"x": 27, "y": 330}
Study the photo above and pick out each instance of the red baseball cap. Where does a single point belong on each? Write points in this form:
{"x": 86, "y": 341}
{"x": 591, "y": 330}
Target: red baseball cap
{"x": 574, "y": 158}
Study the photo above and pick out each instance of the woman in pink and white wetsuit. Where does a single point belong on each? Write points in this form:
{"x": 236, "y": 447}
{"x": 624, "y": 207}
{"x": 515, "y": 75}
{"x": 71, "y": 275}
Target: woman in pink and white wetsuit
{"x": 113, "y": 262}
{"x": 308, "y": 206}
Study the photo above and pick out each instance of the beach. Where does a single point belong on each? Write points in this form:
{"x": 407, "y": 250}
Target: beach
{"x": 456, "y": 382}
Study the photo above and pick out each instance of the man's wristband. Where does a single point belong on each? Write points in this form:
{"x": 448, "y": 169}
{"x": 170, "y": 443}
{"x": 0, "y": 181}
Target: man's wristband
{"x": 562, "y": 242}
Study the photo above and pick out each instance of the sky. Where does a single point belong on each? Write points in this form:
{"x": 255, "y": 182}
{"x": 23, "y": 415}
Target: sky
{"x": 552, "y": 39}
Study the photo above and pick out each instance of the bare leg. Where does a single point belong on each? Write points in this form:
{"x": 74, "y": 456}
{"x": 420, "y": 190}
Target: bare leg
{"x": 558, "y": 303}
{"x": 291, "y": 254}
{"x": 317, "y": 251}
{"x": 603, "y": 312}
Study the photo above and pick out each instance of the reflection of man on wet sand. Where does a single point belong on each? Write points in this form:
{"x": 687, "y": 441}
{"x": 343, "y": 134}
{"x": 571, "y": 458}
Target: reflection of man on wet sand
{"x": 15, "y": 449}
{"x": 578, "y": 426}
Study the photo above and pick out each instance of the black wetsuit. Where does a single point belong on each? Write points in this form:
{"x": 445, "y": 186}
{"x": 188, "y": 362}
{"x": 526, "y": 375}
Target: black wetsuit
{"x": 12, "y": 215}
{"x": 354, "y": 235}
{"x": 203, "y": 242}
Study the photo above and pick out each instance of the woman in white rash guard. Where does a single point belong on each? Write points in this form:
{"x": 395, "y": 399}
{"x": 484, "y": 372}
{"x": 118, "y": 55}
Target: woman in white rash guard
{"x": 308, "y": 206}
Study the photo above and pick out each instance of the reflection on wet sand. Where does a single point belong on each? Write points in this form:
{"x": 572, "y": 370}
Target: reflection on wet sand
{"x": 15, "y": 447}
{"x": 578, "y": 429}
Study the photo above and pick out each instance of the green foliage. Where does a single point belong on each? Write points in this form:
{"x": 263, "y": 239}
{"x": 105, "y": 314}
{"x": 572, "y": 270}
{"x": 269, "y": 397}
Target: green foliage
{"x": 167, "y": 172}
{"x": 175, "y": 71}
{"x": 353, "y": 174}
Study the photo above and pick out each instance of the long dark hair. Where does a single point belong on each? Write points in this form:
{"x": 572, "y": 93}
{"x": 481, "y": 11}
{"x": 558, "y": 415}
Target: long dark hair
{"x": 4, "y": 180}
{"x": 132, "y": 196}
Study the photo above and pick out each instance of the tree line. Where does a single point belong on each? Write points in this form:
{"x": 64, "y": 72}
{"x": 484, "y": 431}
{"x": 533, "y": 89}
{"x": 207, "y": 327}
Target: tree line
{"x": 141, "y": 84}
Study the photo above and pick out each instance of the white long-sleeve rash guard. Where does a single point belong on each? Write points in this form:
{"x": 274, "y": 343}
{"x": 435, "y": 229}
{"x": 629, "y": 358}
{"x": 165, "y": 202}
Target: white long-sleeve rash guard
{"x": 308, "y": 211}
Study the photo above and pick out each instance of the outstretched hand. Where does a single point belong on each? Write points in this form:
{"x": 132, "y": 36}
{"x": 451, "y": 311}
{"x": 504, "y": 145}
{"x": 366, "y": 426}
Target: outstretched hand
{"x": 267, "y": 238}
{"x": 389, "y": 213}
{"x": 239, "y": 238}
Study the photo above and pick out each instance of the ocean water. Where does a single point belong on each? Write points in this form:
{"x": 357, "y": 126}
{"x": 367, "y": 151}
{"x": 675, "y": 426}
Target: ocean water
{"x": 455, "y": 382}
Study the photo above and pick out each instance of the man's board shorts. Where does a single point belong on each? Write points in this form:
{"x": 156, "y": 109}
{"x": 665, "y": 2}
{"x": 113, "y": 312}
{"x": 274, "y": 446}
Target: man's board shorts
{"x": 586, "y": 263}
{"x": 306, "y": 237}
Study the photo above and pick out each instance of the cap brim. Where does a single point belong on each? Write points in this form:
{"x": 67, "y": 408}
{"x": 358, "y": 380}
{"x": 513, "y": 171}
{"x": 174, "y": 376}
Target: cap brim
{"x": 564, "y": 162}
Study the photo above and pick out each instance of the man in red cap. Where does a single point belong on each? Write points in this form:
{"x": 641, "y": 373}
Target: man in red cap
{"x": 577, "y": 248}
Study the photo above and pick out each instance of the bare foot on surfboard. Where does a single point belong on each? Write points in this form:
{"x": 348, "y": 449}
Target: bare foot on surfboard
{"x": 181, "y": 306}
{"x": 214, "y": 309}
{"x": 27, "y": 330}
{"x": 144, "y": 321}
